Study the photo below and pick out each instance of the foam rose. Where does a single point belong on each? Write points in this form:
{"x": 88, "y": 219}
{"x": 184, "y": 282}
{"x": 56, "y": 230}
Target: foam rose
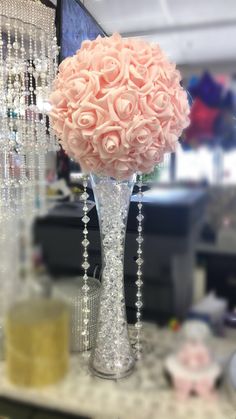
{"x": 118, "y": 106}
{"x": 109, "y": 143}
{"x": 122, "y": 104}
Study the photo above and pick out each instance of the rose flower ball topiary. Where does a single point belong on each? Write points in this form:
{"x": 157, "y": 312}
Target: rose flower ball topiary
{"x": 118, "y": 106}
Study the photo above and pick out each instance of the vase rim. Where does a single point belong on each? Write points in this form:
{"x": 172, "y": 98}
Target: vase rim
{"x": 131, "y": 178}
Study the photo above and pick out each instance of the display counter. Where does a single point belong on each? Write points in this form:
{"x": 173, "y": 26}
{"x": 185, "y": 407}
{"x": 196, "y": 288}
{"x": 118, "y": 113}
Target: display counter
{"x": 145, "y": 394}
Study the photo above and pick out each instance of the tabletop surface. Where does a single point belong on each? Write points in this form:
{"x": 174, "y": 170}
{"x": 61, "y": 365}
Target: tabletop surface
{"x": 146, "y": 394}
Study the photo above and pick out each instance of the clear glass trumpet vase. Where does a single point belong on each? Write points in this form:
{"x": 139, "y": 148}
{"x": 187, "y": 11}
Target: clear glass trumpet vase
{"x": 112, "y": 356}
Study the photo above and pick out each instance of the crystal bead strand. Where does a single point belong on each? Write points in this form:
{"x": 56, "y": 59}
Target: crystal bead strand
{"x": 30, "y": 186}
{"x": 3, "y": 124}
{"x": 85, "y": 266}
{"x": 33, "y": 140}
{"x": 10, "y": 101}
{"x": 42, "y": 204}
{"x": 2, "y": 81}
{"x": 17, "y": 85}
{"x": 55, "y": 54}
{"x": 10, "y": 90}
{"x": 26, "y": 133}
{"x": 17, "y": 91}
{"x": 22, "y": 183}
{"x": 23, "y": 86}
{"x": 43, "y": 68}
{"x": 23, "y": 128}
{"x": 36, "y": 75}
{"x": 43, "y": 135}
{"x": 1, "y": 57}
{"x": 39, "y": 171}
{"x": 51, "y": 75}
{"x": 139, "y": 261}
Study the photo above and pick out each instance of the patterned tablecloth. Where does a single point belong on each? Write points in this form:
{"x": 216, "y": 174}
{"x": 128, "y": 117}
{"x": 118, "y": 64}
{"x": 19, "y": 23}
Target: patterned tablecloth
{"x": 146, "y": 394}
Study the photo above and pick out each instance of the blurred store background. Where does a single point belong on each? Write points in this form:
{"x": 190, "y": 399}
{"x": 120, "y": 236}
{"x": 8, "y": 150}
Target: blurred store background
{"x": 191, "y": 209}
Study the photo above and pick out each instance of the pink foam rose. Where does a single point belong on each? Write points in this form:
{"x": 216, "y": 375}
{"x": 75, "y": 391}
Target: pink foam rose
{"x": 109, "y": 145}
{"x": 121, "y": 168}
{"x": 112, "y": 66}
{"x": 158, "y": 54}
{"x": 122, "y": 104}
{"x": 66, "y": 67}
{"x": 58, "y": 123}
{"x": 75, "y": 90}
{"x": 58, "y": 100}
{"x": 86, "y": 85}
{"x": 109, "y": 65}
{"x": 118, "y": 106}
{"x": 87, "y": 118}
{"x": 142, "y": 53}
{"x": 159, "y": 104}
{"x": 166, "y": 137}
{"x": 82, "y": 61}
{"x": 140, "y": 79}
{"x": 108, "y": 140}
{"x": 152, "y": 154}
{"x": 91, "y": 163}
{"x": 74, "y": 139}
{"x": 171, "y": 143}
{"x": 139, "y": 135}
{"x": 180, "y": 106}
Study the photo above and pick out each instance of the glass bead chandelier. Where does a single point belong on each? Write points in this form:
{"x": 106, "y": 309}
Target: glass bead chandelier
{"x": 28, "y": 65}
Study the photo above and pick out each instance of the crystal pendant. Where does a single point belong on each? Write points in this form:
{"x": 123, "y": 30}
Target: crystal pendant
{"x": 112, "y": 356}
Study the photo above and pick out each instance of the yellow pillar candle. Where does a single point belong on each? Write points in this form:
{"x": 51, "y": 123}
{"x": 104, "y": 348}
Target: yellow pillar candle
{"x": 37, "y": 342}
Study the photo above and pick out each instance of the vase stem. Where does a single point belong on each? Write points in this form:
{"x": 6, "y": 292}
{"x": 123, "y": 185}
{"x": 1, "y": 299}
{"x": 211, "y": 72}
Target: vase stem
{"x": 112, "y": 356}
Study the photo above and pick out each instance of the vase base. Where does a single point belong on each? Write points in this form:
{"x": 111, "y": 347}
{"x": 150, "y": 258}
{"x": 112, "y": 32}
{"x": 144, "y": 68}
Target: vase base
{"x": 113, "y": 375}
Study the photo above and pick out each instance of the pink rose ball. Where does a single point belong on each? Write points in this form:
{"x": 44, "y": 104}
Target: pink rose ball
{"x": 118, "y": 106}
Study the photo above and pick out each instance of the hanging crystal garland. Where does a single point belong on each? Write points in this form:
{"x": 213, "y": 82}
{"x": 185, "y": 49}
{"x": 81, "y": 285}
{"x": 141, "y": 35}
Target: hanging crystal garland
{"x": 139, "y": 261}
{"x": 28, "y": 66}
{"x": 85, "y": 266}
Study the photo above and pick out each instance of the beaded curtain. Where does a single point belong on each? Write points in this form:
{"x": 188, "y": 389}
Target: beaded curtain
{"x": 28, "y": 65}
